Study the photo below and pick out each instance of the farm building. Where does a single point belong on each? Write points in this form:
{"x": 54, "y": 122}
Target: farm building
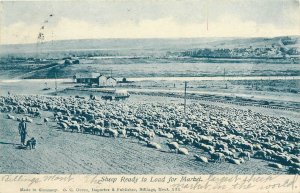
{"x": 87, "y": 78}
{"x": 112, "y": 82}
{"x": 102, "y": 80}
{"x": 95, "y": 78}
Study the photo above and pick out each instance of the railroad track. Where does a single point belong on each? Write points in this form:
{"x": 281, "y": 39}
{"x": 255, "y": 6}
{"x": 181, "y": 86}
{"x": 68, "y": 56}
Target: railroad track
{"x": 214, "y": 98}
{"x": 220, "y": 99}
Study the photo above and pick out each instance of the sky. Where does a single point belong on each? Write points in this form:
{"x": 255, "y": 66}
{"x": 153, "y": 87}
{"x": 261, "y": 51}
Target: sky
{"x": 23, "y": 21}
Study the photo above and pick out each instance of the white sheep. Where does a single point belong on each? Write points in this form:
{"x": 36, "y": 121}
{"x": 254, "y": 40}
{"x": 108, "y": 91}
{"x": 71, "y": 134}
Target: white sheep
{"x": 201, "y": 158}
{"x": 11, "y": 117}
{"x": 29, "y": 120}
{"x": 153, "y": 145}
{"x": 111, "y": 132}
{"x": 183, "y": 151}
{"x": 172, "y": 145}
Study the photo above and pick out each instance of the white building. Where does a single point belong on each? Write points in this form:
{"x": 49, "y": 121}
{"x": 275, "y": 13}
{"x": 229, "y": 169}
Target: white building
{"x": 102, "y": 80}
{"x": 111, "y": 82}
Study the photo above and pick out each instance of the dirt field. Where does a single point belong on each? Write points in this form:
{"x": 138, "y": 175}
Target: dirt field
{"x": 65, "y": 152}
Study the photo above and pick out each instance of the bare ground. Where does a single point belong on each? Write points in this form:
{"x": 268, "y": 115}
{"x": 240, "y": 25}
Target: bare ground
{"x": 65, "y": 152}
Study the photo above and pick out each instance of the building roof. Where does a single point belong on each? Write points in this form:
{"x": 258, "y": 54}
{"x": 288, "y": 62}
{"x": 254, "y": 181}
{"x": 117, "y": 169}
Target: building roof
{"x": 87, "y": 75}
{"x": 102, "y": 76}
{"x": 111, "y": 78}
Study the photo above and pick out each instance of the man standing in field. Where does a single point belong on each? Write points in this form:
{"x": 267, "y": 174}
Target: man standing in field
{"x": 23, "y": 131}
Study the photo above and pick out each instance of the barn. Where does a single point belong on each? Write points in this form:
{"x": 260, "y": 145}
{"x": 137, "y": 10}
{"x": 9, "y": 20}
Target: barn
{"x": 87, "y": 78}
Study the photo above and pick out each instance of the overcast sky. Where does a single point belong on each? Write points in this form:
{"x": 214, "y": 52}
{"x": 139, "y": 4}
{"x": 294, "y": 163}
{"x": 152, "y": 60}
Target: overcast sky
{"x": 21, "y": 22}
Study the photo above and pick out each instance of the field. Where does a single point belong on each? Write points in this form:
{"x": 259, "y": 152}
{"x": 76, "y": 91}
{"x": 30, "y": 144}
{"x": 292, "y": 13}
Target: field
{"x": 253, "y": 101}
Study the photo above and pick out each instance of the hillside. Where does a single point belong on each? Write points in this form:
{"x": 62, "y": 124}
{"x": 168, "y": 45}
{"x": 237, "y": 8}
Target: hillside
{"x": 143, "y": 46}
{"x": 280, "y": 47}
{"x": 152, "y": 57}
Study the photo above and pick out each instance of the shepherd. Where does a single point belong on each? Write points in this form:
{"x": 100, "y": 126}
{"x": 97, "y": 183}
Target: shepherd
{"x": 23, "y": 131}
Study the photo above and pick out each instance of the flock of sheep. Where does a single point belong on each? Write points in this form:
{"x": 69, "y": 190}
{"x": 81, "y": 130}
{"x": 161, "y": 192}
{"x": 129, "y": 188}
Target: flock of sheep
{"x": 222, "y": 134}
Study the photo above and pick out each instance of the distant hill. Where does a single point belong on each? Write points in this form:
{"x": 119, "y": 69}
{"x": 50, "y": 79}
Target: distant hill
{"x": 107, "y": 44}
{"x": 141, "y": 57}
{"x": 138, "y": 47}
{"x": 266, "y": 48}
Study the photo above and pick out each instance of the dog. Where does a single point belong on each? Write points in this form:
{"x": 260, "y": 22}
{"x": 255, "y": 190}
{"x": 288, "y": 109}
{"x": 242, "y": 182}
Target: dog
{"x": 31, "y": 143}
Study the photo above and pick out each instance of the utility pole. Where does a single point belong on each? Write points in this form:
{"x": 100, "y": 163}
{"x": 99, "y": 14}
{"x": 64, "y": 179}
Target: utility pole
{"x": 185, "y": 85}
{"x": 55, "y": 84}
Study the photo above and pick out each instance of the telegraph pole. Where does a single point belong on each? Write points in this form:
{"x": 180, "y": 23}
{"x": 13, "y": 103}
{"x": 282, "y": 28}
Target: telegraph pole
{"x": 55, "y": 84}
{"x": 185, "y": 85}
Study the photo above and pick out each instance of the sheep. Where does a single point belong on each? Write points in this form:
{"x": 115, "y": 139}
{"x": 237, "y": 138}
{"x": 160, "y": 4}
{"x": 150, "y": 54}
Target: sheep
{"x": 226, "y": 152}
{"x": 295, "y": 159}
{"x": 207, "y": 148}
{"x": 283, "y": 159}
{"x": 293, "y": 170}
{"x": 75, "y": 126}
{"x": 201, "y": 158}
{"x": 217, "y": 157}
{"x": 241, "y": 132}
{"x": 246, "y": 146}
{"x": 111, "y": 132}
{"x": 205, "y": 139}
{"x": 135, "y": 129}
{"x": 122, "y": 132}
{"x": 172, "y": 145}
{"x": 221, "y": 146}
{"x": 257, "y": 147}
{"x": 183, "y": 151}
{"x": 27, "y": 119}
{"x": 245, "y": 154}
{"x": 164, "y": 134}
{"x": 234, "y": 161}
{"x": 11, "y": 117}
{"x": 98, "y": 130}
{"x": 37, "y": 114}
{"x": 275, "y": 165}
{"x": 276, "y": 148}
{"x": 87, "y": 128}
{"x": 149, "y": 134}
{"x": 241, "y": 160}
{"x": 153, "y": 145}
{"x": 63, "y": 125}
{"x": 270, "y": 152}
{"x": 142, "y": 139}
{"x": 294, "y": 164}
